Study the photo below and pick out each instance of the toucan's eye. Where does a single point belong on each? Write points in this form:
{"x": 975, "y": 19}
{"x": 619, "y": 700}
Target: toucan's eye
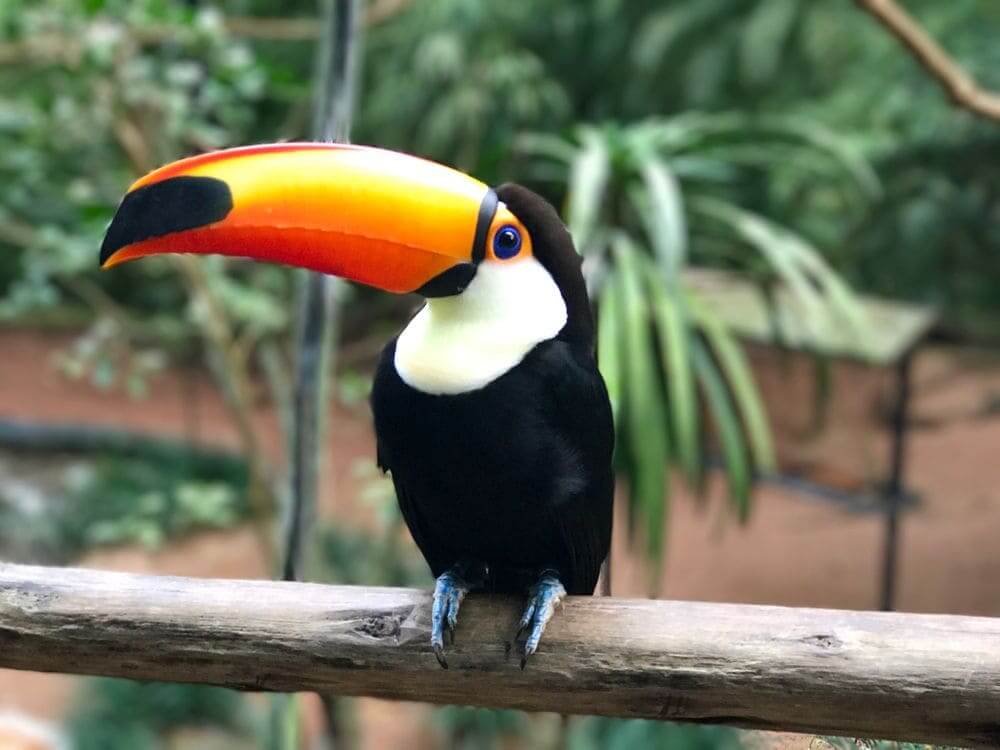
{"x": 506, "y": 242}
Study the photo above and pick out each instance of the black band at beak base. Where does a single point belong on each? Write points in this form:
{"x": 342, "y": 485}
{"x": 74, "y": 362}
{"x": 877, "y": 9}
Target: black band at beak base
{"x": 457, "y": 278}
{"x": 486, "y": 210}
{"x": 449, "y": 283}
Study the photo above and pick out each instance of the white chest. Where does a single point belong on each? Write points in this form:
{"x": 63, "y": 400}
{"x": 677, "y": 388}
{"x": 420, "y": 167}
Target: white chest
{"x": 461, "y": 343}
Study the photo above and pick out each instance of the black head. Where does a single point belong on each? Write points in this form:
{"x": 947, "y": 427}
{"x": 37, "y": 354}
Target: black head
{"x": 553, "y": 248}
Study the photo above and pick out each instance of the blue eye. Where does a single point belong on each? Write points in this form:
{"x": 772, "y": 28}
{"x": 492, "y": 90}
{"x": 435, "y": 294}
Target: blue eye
{"x": 506, "y": 242}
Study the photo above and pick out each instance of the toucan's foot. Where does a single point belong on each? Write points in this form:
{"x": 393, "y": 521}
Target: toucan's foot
{"x": 449, "y": 591}
{"x": 542, "y": 600}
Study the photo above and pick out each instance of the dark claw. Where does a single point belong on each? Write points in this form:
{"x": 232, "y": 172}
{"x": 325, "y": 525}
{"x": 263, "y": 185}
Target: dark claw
{"x": 528, "y": 651}
{"x": 542, "y": 600}
{"x": 449, "y": 590}
{"x": 528, "y": 616}
{"x": 439, "y": 653}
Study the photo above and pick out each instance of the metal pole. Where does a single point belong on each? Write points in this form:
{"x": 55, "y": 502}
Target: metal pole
{"x": 894, "y": 488}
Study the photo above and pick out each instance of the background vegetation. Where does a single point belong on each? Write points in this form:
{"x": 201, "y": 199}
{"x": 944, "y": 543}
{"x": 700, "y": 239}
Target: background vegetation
{"x": 789, "y": 141}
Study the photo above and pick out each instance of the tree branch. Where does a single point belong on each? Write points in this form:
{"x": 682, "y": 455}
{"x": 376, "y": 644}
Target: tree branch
{"x": 232, "y": 374}
{"x": 46, "y": 49}
{"x": 927, "y": 678}
{"x": 959, "y": 85}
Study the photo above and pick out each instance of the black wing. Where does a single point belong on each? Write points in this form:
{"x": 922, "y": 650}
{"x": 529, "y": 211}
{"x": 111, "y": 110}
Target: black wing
{"x": 386, "y": 380}
{"x": 580, "y": 411}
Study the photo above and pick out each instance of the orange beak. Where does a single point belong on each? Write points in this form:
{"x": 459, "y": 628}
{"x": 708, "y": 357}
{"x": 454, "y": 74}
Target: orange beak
{"x": 377, "y": 217}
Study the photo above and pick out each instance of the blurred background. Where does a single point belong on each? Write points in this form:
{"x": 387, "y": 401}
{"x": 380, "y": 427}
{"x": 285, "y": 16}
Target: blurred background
{"x": 791, "y": 237}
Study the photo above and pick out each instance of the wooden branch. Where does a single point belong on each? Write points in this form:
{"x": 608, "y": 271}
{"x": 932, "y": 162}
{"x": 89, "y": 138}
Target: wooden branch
{"x": 959, "y": 85}
{"x": 303, "y": 29}
{"x": 928, "y": 678}
{"x": 46, "y": 49}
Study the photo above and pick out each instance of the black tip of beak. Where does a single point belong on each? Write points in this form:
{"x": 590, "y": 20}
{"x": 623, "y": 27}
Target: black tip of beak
{"x": 172, "y": 205}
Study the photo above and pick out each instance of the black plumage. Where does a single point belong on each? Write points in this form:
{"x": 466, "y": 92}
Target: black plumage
{"x": 517, "y": 474}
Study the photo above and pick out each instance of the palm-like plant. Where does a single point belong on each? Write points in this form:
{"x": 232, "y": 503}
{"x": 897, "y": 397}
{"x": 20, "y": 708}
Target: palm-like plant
{"x": 646, "y": 202}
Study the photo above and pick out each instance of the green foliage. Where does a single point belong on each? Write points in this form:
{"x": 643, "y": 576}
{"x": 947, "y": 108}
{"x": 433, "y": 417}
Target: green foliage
{"x": 927, "y": 237}
{"x": 101, "y": 82}
{"x": 595, "y": 733}
{"x": 646, "y": 202}
{"x": 148, "y": 502}
{"x": 480, "y": 728}
{"x": 100, "y": 92}
{"x": 457, "y": 79}
{"x": 454, "y": 81}
{"x": 933, "y": 238}
{"x": 114, "y": 714}
{"x": 63, "y": 507}
{"x": 95, "y": 91}
{"x": 710, "y": 156}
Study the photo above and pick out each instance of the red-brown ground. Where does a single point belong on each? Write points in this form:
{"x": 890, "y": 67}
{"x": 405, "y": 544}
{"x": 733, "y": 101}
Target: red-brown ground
{"x": 795, "y": 550}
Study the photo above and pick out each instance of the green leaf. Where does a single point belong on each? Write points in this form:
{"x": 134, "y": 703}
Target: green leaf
{"x": 738, "y": 375}
{"x": 662, "y": 31}
{"x": 645, "y": 422}
{"x": 837, "y": 293}
{"x": 547, "y": 145}
{"x": 844, "y": 152}
{"x": 673, "y": 329}
{"x": 783, "y": 256}
{"x": 825, "y": 298}
{"x": 765, "y": 34}
{"x": 727, "y": 426}
{"x": 609, "y": 344}
{"x": 663, "y": 214}
{"x": 588, "y": 181}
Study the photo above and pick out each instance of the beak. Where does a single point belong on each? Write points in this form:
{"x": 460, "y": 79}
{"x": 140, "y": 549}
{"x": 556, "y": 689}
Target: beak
{"x": 377, "y": 217}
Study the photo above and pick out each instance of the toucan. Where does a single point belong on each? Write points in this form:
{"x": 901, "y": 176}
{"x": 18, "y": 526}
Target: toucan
{"x": 490, "y": 414}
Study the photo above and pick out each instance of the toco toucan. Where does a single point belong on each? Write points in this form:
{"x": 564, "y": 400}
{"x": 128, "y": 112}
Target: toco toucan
{"x": 490, "y": 413}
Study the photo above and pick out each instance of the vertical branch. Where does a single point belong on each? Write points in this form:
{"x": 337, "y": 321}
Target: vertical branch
{"x": 337, "y": 76}
{"x": 317, "y": 326}
{"x": 317, "y": 322}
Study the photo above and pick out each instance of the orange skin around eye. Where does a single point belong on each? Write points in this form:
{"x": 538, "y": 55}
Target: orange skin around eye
{"x": 503, "y": 218}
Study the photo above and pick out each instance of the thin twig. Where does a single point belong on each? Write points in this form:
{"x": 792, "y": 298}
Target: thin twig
{"x": 18, "y": 233}
{"x": 959, "y": 85}
{"x": 382, "y": 10}
{"x": 231, "y": 371}
{"x": 57, "y": 48}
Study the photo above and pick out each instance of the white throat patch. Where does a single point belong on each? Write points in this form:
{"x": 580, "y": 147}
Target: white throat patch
{"x": 461, "y": 343}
